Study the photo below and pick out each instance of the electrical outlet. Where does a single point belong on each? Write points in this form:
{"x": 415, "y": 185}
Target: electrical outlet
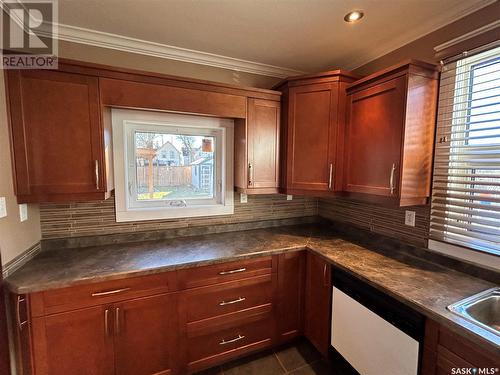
{"x": 3, "y": 207}
{"x": 243, "y": 198}
{"x": 289, "y": 197}
{"x": 23, "y": 212}
{"x": 410, "y": 218}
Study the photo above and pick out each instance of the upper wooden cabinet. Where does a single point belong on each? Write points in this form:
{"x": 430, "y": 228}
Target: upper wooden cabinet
{"x": 257, "y": 148}
{"x": 60, "y": 124}
{"x": 58, "y": 139}
{"x": 312, "y": 132}
{"x": 390, "y": 134}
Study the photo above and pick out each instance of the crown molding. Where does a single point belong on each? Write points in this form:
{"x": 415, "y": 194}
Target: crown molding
{"x": 469, "y": 35}
{"x": 425, "y": 28}
{"x": 102, "y": 39}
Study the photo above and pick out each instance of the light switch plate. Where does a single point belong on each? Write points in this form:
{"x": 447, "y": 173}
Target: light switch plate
{"x": 3, "y": 207}
{"x": 289, "y": 197}
{"x": 410, "y": 218}
{"x": 243, "y": 198}
{"x": 23, "y": 212}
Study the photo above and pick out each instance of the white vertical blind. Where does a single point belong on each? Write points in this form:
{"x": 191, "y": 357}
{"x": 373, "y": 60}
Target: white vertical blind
{"x": 465, "y": 208}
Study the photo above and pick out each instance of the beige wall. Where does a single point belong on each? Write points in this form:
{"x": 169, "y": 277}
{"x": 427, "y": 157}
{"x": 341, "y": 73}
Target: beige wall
{"x": 423, "y": 48}
{"x": 15, "y": 237}
{"x": 155, "y": 64}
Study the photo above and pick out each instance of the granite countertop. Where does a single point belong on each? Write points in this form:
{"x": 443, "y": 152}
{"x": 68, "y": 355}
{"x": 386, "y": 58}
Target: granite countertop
{"x": 427, "y": 287}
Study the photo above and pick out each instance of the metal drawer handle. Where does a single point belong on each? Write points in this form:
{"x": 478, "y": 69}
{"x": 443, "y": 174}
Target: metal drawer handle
{"x": 224, "y": 303}
{"x": 224, "y": 342}
{"x": 18, "y": 312}
{"x": 232, "y": 271}
{"x": 109, "y": 292}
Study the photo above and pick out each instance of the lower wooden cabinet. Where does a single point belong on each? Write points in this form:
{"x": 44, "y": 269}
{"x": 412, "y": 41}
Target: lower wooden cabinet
{"x": 168, "y": 323}
{"x": 145, "y": 335}
{"x": 185, "y": 321}
{"x": 446, "y": 352}
{"x": 228, "y": 319}
{"x": 291, "y": 282}
{"x": 74, "y": 342}
{"x": 318, "y": 296}
{"x": 107, "y": 339}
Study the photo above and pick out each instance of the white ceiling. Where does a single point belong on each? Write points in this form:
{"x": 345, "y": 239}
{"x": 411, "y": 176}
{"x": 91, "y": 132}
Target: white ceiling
{"x": 302, "y": 35}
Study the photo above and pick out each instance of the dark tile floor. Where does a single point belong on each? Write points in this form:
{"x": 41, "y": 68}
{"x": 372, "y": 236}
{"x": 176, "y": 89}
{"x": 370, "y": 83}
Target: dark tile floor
{"x": 298, "y": 358}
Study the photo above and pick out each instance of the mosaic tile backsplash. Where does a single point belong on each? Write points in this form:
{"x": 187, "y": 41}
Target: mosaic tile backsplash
{"x": 98, "y": 217}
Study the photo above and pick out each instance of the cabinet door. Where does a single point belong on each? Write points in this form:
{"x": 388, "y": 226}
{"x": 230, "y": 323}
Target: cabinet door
{"x": 144, "y": 335}
{"x": 263, "y": 124}
{"x": 56, "y": 134}
{"x": 78, "y": 343}
{"x": 4, "y": 340}
{"x": 311, "y": 134}
{"x": 317, "y": 303}
{"x": 291, "y": 277}
{"x": 374, "y": 138}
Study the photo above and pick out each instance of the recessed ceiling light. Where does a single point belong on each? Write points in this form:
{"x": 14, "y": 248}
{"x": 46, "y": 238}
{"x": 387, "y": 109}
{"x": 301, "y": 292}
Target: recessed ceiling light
{"x": 354, "y": 16}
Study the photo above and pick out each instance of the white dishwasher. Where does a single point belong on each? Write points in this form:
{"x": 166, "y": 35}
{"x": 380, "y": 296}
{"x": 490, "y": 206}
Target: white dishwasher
{"x": 373, "y": 332}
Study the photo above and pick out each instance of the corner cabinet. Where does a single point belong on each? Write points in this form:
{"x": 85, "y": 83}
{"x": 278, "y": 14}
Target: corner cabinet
{"x": 317, "y": 303}
{"x": 291, "y": 294}
{"x": 390, "y": 135}
{"x": 59, "y": 144}
{"x": 257, "y": 148}
{"x": 312, "y": 132}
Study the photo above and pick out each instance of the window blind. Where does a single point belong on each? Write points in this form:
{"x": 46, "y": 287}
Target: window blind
{"x": 465, "y": 205}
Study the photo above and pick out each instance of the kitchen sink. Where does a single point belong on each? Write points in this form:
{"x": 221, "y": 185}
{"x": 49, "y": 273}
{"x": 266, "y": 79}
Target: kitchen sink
{"x": 482, "y": 309}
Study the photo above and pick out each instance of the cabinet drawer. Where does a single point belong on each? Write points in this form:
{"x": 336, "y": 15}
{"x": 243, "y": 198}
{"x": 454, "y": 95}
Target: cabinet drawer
{"x": 213, "y": 347}
{"x": 219, "y": 273}
{"x": 229, "y": 297}
{"x": 65, "y": 299}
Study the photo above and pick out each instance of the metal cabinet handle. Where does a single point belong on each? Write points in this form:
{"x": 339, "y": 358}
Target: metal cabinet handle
{"x": 97, "y": 174}
{"x": 106, "y": 322}
{"x": 232, "y": 271}
{"x": 330, "y": 177}
{"x": 324, "y": 275}
{"x": 391, "y": 181}
{"x": 225, "y": 342}
{"x": 239, "y": 299}
{"x": 250, "y": 174}
{"x": 117, "y": 321}
{"x": 18, "y": 312}
{"x": 109, "y": 292}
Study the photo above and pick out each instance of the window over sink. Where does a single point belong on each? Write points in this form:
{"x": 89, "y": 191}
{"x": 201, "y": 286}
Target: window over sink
{"x": 465, "y": 209}
{"x": 171, "y": 165}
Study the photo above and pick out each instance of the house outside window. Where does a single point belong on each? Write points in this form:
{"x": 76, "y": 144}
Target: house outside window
{"x": 465, "y": 209}
{"x": 171, "y": 165}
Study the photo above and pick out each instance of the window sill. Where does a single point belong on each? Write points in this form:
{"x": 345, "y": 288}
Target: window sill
{"x": 483, "y": 259}
{"x": 144, "y": 214}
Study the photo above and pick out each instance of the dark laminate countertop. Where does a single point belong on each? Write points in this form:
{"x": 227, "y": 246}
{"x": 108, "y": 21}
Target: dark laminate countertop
{"x": 424, "y": 286}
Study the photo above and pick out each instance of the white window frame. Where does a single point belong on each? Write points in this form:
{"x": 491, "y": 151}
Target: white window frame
{"x": 126, "y": 122}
